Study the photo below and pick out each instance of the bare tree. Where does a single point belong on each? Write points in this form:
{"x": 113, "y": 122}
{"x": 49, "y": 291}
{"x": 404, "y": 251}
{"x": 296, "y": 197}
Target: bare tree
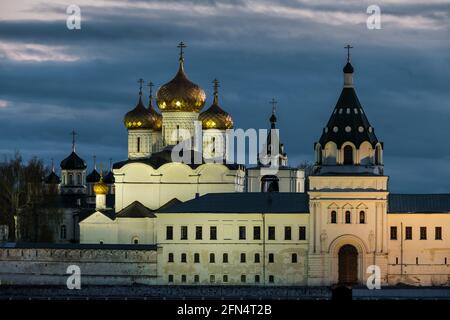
{"x": 308, "y": 167}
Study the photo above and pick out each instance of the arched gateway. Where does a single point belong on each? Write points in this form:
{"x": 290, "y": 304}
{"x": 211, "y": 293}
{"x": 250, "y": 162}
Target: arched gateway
{"x": 348, "y": 265}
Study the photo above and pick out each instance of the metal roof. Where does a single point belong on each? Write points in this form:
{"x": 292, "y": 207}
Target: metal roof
{"x": 419, "y": 203}
{"x": 85, "y": 246}
{"x": 244, "y": 202}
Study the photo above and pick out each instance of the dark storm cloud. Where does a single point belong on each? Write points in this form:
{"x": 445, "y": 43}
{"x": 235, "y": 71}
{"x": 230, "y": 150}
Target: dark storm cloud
{"x": 291, "y": 50}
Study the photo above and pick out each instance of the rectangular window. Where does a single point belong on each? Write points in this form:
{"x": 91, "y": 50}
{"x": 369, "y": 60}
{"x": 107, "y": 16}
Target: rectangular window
{"x": 212, "y": 258}
{"x": 213, "y": 233}
{"x": 196, "y": 278}
{"x": 183, "y": 278}
{"x": 243, "y": 278}
{"x": 438, "y": 233}
{"x": 212, "y": 278}
{"x": 302, "y": 233}
{"x": 198, "y": 233}
{"x": 256, "y": 233}
{"x": 169, "y": 233}
{"x": 294, "y": 258}
{"x": 241, "y": 233}
{"x": 257, "y": 258}
{"x": 243, "y": 258}
{"x": 257, "y": 278}
{"x": 396, "y": 260}
{"x": 184, "y": 233}
{"x": 170, "y": 257}
{"x": 393, "y": 233}
{"x": 287, "y": 233}
{"x": 170, "y": 278}
{"x": 271, "y": 279}
{"x": 225, "y": 278}
{"x": 408, "y": 233}
{"x": 183, "y": 257}
{"x": 271, "y": 233}
{"x": 271, "y": 258}
{"x": 423, "y": 233}
{"x": 225, "y": 258}
{"x": 196, "y": 258}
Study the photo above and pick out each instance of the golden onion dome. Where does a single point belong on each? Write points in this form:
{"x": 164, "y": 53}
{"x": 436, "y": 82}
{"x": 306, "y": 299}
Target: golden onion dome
{"x": 180, "y": 94}
{"x": 215, "y": 117}
{"x": 100, "y": 187}
{"x": 141, "y": 118}
{"x": 155, "y": 115}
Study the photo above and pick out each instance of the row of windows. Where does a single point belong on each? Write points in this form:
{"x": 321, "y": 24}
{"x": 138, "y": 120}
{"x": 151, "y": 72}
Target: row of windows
{"x": 225, "y": 279}
{"x": 348, "y": 217}
{"x": 225, "y": 258}
{"x": 417, "y": 260}
{"x": 271, "y": 232}
{"x": 422, "y": 233}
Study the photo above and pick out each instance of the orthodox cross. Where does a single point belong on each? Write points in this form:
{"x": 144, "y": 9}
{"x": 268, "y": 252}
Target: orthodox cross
{"x": 73, "y": 133}
{"x": 150, "y": 85}
{"x": 141, "y": 83}
{"x": 181, "y": 45}
{"x": 348, "y": 47}
{"x": 273, "y": 102}
{"x": 216, "y": 86}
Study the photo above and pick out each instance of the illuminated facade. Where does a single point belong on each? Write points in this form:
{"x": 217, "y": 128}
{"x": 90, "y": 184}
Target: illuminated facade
{"x": 218, "y": 223}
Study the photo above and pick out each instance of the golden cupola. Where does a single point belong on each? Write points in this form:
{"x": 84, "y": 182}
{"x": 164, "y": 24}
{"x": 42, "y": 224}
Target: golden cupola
{"x": 215, "y": 117}
{"x": 180, "y": 94}
{"x": 101, "y": 187}
{"x": 140, "y": 117}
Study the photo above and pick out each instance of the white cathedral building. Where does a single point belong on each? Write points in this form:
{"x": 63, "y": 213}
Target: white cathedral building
{"x": 220, "y": 223}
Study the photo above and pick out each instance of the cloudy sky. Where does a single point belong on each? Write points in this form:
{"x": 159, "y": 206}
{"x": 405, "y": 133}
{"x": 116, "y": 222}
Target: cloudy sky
{"x": 53, "y": 79}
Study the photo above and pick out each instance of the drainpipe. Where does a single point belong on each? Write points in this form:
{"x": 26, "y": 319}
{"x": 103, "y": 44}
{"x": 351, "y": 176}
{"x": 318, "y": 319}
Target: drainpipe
{"x": 264, "y": 248}
{"x": 401, "y": 251}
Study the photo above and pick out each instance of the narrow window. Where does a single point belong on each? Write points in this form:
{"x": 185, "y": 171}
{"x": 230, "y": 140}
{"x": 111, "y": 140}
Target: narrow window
{"x": 196, "y": 278}
{"x": 362, "y": 217}
{"x": 256, "y": 233}
{"x": 170, "y": 278}
{"x": 445, "y": 260}
{"x": 138, "y": 144}
{"x": 212, "y": 258}
{"x": 287, "y": 233}
{"x": 184, "y": 233}
{"x": 396, "y": 260}
{"x": 271, "y": 279}
{"x": 213, "y": 146}
{"x": 183, "y": 278}
{"x": 225, "y": 278}
{"x": 241, "y": 233}
{"x": 169, "y": 233}
{"x": 438, "y": 233}
{"x": 170, "y": 257}
{"x": 417, "y": 260}
{"x": 348, "y": 217}
{"x": 213, "y": 233}
{"x": 333, "y": 217}
{"x": 198, "y": 233}
{"x": 408, "y": 233}
{"x": 257, "y": 278}
{"x": 257, "y": 258}
{"x": 302, "y": 233}
{"x": 393, "y": 233}
{"x": 294, "y": 258}
{"x": 196, "y": 258}
{"x": 348, "y": 155}
{"x": 225, "y": 258}
{"x": 183, "y": 257}
{"x": 423, "y": 233}
{"x": 243, "y": 278}
{"x": 79, "y": 179}
{"x": 271, "y": 235}
{"x": 212, "y": 278}
{"x": 243, "y": 258}
{"x": 271, "y": 258}
{"x": 63, "y": 232}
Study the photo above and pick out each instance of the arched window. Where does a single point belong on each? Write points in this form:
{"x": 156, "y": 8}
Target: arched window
{"x": 348, "y": 155}
{"x": 270, "y": 184}
{"x": 378, "y": 155}
{"x": 362, "y": 217}
{"x": 71, "y": 179}
{"x": 333, "y": 217}
{"x": 212, "y": 258}
{"x": 79, "y": 179}
{"x": 170, "y": 257}
{"x": 135, "y": 240}
{"x": 348, "y": 217}
{"x": 138, "y": 144}
{"x": 63, "y": 232}
{"x": 318, "y": 154}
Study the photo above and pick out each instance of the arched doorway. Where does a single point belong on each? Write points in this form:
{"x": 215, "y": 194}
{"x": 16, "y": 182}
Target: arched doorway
{"x": 348, "y": 265}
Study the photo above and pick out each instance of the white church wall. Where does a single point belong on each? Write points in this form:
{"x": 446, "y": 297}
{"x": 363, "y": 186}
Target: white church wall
{"x": 98, "y": 228}
{"x": 290, "y": 180}
{"x": 131, "y": 229}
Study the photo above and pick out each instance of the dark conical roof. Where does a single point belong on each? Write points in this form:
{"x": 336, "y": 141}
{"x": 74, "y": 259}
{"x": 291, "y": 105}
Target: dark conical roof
{"x": 52, "y": 178}
{"x": 348, "y": 122}
{"x": 94, "y": 176}
{"x": 73, "y": 162}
